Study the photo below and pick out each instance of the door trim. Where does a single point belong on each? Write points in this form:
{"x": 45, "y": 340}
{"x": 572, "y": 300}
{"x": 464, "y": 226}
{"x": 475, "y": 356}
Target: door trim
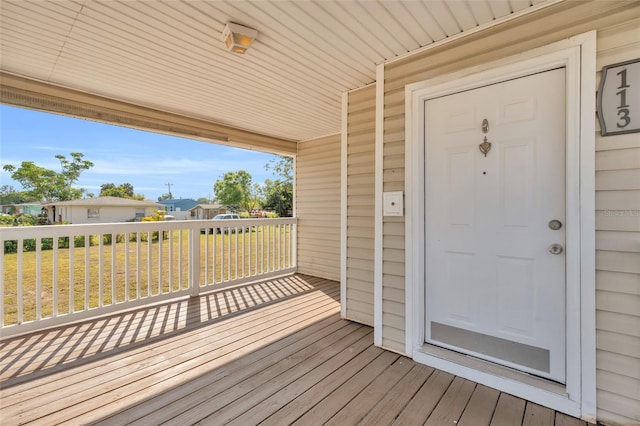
{"x": 577, "y": 55}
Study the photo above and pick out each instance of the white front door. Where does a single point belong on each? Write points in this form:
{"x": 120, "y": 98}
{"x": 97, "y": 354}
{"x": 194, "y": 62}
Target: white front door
{"x": 495, "y": 287}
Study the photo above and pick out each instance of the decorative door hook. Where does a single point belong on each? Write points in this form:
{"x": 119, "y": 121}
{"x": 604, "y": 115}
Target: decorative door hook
{"x": 485, "y": 146}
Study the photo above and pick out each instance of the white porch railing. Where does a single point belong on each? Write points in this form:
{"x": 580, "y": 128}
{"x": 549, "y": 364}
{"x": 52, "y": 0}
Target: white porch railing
{"x": 50, "y": 275}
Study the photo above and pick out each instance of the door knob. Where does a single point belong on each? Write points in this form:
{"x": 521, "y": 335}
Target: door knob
{"x": 555, "y": 224}
{"x": 555, "y": 249}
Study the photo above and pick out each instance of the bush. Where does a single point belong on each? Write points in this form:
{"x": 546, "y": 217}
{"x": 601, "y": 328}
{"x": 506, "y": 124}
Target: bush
{"x": 6, "y": 219}
{"x": 272, "y": 215}
{"x": 11, "y": 246}
{"x": 244, "y": 215}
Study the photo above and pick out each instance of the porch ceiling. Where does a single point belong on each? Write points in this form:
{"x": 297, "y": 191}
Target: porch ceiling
{"x": 168, "y": 55}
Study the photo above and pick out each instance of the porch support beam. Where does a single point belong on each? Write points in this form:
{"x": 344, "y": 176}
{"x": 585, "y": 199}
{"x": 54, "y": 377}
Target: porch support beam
{"x": 31, "y": 94}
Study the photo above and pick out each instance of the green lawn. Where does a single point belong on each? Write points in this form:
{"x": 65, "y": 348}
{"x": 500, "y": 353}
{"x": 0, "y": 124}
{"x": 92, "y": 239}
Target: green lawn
{"x": 140, "y": 277}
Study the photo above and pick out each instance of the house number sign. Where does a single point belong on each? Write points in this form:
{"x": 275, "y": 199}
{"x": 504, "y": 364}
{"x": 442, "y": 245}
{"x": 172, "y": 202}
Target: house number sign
{"x": 619, "y": 98}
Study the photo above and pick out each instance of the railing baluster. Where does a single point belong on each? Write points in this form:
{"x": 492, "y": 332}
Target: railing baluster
{"x": 114, "y": 296}
{"x": 269, "y": 248}
{"x": 214, "y": 263}
{"x": 228, "y": 253}
{"x": 180, "y": 286}
{"x": 222, "y": 257}
{"x": 250, "y": 249}
{"x": 19, "y": 283}
{"x": 38, "y": 278}
{"x": 236, "y": 235}
{"x": 194, "y": 259}
{"x": 149, "y": 263}
{"x": 126, "y": 266}
{"x": 72, "y": 278}
{"x": 285, "y": 247}
{"x": 138, "y": 265}
{"x": 54, "y": 276}
{"x": 87, "y": 270}
{"x": 160, "y": 240}
{"x": 207, "y": 262}
{"x": 170, "y": 248}
{"x": 100, "y": 269}
{"x": 244, "y": 236}
{"x": 294, "y": 242}
{"x": 291, "y": 246}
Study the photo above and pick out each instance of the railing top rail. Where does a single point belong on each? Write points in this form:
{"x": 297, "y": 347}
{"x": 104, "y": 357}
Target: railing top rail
{"x": 15, "y": 232}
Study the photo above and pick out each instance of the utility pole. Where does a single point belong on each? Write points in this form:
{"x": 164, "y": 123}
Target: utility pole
{"x": 169, "y": 185}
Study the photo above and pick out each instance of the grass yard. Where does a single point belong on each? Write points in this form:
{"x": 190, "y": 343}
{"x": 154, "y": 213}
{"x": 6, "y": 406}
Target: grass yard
{"x": 89, "y": 277}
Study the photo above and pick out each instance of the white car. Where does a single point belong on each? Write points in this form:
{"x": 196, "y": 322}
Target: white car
{"x": 226, "y": 216}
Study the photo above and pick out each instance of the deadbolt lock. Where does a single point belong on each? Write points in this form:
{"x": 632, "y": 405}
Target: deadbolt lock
{"x": 555, "y": 249}
{"x": 555, "y": 224}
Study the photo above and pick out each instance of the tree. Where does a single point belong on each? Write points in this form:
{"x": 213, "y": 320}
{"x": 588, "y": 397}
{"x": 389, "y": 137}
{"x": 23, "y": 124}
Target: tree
{"x": 48, "y": 185}
{"x": 8, "y": 195}
{"x": 278, "y": 193}
{"x": 124, "y": 190}
{"x": 165, "y": 197}
{"x": 203, "y": 200}
{"x": 236, "y": 190}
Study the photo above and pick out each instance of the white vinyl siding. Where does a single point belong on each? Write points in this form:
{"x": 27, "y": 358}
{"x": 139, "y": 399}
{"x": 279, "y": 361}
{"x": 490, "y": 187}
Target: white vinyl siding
{"x": 618, "y": 251}
{"x": 617, "y": 184}
{"x": 318, "y": 207}
{"x": 360, "y": 204}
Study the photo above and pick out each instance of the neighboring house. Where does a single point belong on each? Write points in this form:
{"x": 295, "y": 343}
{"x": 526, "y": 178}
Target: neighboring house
{"x": 206, "y": 211}
{"x": 99, "y": 210}
{"x": 179, "y": 208}
{"x": 33, "y": 209}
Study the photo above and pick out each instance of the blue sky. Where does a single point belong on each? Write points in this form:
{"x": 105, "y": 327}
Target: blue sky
{"x": 146, "y": 160}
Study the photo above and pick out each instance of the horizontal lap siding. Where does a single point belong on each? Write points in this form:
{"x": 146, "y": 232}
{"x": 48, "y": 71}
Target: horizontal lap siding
{"x": 617, "y": 180}
{"x": 318, "y": 207}
{"x": 618, "y": 251}
{"x": 360, "y": 204}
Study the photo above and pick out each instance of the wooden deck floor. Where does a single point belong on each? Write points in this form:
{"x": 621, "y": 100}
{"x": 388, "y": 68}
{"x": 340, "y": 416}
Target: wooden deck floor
{"x": 272, "y": 353}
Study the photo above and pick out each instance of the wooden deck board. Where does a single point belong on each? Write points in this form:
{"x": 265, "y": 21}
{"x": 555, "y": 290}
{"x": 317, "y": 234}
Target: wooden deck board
{"x": 536, "y": 415}
{"x": 272, "y": 353}
{"x": 509, "y": 411}
{"x": 313, "y": 395}
{"x": 386, "y": 411}
{"x": 481, "y": 407}
{"x": 450, "y": 408}
{"x": 335, "y": 401}
{"x": 420, "y": 407}
{"x": 360, "y": 406}
{"x": 564, "y": 420}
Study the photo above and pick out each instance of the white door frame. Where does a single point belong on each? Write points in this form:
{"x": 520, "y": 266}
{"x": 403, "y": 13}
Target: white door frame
{"x": 577, "y": 55}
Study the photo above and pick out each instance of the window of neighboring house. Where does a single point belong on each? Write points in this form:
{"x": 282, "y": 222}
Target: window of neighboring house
{"x": 93, "y": 213}
{"x": 139, "y": 213}
{"x": 193, "y": 213}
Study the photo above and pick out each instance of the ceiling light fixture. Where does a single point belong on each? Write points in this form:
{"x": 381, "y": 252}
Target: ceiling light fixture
{"x": 237, "y": 37}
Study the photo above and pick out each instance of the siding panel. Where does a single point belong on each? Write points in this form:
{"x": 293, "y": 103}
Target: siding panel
{"x": 360, "y": 204}
{"x": 318, "y": 207}
{"x": 618, "y": 251}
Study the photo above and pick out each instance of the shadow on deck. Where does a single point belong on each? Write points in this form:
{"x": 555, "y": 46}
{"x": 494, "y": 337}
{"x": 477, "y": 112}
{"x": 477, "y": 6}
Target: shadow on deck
{"x": 274, "y": 352}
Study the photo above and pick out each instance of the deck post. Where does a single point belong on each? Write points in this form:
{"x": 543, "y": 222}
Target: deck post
{"x": 194, "y": 261}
